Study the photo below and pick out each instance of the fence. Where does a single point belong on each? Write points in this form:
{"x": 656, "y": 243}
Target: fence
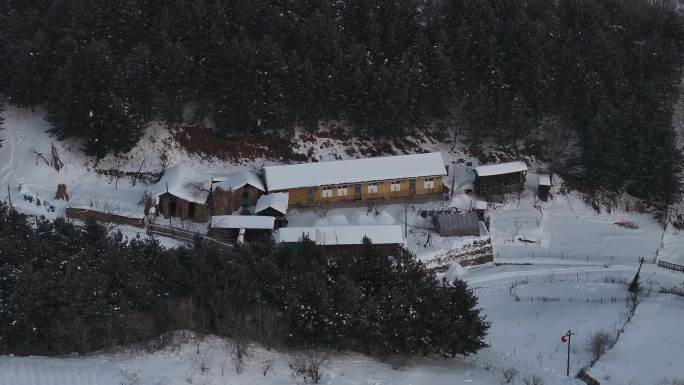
{"x": 584, "y": 376}
{"x": 181, "y": 234}
{"x": 670, "y": 265}
{"x": 83, "y": 214}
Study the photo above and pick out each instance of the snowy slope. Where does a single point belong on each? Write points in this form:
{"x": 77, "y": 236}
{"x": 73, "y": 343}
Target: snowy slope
{"x": 547, "y": 286}
{"x": 653, "y": 342}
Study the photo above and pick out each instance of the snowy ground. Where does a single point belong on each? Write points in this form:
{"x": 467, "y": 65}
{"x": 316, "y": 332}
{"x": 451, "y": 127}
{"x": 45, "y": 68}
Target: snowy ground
{"x": 530, "y": 307}
{"x": 653, "y": 342}
{"x": 560, "y": 266}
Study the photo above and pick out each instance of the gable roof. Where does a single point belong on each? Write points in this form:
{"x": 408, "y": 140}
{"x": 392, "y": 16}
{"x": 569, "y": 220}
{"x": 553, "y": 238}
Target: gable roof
{"x": 353, "y": 171}
{"x": 500, "y": 168}
{"x": 343, "y": 235}
{"x": 242, "y": 222}
{"x": 277, "y": 201}
{"x": 185, "y": 183}
{"x": 234, "y": 181}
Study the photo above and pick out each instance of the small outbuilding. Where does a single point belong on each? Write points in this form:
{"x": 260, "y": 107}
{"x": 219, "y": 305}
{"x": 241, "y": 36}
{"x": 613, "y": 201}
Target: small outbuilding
{"x": 231, "y": 192}
{"x": 457, "y": 224}
{"x": 241, "y": 228}
{"x": 183, "y": 193}
{"x": 345, "y": 238}
{"x": 494, "y": 181}
{"x": 275, "y": 205}
{"x": 544, "y": 186}
{"x": 480, "y": 208}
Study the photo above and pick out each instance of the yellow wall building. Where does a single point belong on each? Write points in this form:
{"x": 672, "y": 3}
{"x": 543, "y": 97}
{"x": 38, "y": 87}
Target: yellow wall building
{"x": 358, "y": 180}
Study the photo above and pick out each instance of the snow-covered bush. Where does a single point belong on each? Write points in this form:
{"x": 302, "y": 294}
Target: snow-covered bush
{"x": 509, "y": 375}
{"x": 599, "y": 343}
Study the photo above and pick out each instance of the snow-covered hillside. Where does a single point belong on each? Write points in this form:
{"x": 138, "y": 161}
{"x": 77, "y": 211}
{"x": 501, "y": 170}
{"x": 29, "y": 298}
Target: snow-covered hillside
{"x": 559, "y": 265}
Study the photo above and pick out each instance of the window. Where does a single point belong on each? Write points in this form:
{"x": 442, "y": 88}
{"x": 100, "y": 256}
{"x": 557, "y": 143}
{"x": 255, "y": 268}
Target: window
{"x": 372, "y": 188}
{"x": 395, "y": 186}
{"x": 342, "y": 190}
{"x": 326, "y": 191}
{"x": 429, "y": 183}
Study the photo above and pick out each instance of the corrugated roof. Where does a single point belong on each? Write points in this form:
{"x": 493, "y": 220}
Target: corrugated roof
{"x": 353, "y": 171}
{"x": 343, "y": 235}
{"x": 277, "y": 201}
{"x": 451, "y": 224}
{"x": 500, "y": 168}
{"x": 234, "y": 181}
{"x": 242, "y": 222}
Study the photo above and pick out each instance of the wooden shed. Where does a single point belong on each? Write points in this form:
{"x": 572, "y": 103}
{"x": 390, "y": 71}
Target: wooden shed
{"x": 494, "y": 181}
{"x": 275, "y": 205}
{"x": 543, "y": 186}
{"x": 241, "y": 228}
{"x": 182, "y": 193}
{"x": 456, "y": 224}
{"x": 234, "y": 191}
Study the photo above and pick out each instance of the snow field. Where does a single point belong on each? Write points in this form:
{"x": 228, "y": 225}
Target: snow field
{"x": 650, "y": 351}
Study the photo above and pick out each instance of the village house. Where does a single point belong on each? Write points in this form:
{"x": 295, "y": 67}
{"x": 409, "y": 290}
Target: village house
{"x": 359, "y": 180}
{"x": 183, "y": 193}
{"x": 234, "y": 191}
{"x": 494, "y": 181}
{"x": 344, "y": 238}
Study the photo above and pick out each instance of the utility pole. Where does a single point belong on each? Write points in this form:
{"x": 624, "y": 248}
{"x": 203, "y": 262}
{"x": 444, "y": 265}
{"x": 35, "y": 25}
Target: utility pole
{"x": 566, "y": 338}
{"x": 167, "y": 205}
{"x": 405, "y": 222}
{"x": 453, "y": 178}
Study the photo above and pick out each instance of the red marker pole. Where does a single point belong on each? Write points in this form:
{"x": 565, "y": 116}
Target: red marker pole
{"x": 564, "y": 339}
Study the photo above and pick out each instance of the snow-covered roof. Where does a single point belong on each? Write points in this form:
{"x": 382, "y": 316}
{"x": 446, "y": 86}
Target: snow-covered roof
{"x": 277, "y": 201}
{"x": 343, "y": 235}
{"x": 238, "y": 180}
{"x": 242, "y": 222}
{"x": 500, "y": 168}
{"x": 544, "y": 180}
{"x": 294, "y": 234}
{"x": 353, "y": 171}
{"x": 480, "y": 205}
{"x": 185, "y": 183}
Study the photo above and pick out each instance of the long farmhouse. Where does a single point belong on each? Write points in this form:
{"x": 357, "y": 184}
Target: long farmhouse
{"x": 358, "y": 180}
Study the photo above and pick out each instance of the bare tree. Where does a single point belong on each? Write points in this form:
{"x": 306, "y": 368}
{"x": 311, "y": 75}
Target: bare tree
{"x": 599, "y": 343}
{"x": 534, "y": 380}
{"x": 56, "y": 161}
{"x": 266, "y": 366}
{"x": 308, "y": 366}
{"x": 39, "y": 155}
{"x": 240, "y": 352}
{"x": 509, "y": 375}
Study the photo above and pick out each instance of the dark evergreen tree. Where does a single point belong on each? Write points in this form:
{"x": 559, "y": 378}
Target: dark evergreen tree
{"x": 609, "y": 69}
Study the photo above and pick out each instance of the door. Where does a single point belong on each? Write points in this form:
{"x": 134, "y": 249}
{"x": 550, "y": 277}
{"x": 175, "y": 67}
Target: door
{"x": 357, "y": 192}
{"x": 412, "y": 188}
{"x": 191, "y": 210}
{"x": 244, "y": 199}
{"x": 309, "y": 195}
